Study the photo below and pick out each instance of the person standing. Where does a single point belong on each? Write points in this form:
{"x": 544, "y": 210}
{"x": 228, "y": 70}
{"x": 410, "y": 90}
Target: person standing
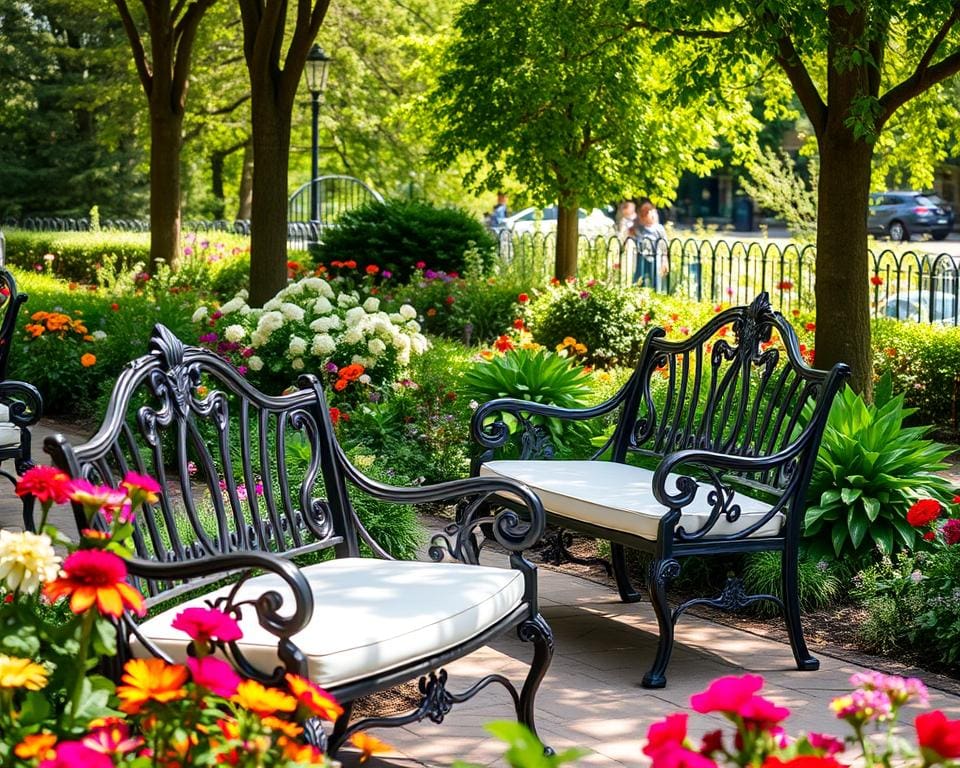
{"x": 626, "y": 219}
{"x": 498, "y": 218}
{"x": 652, "y": 263}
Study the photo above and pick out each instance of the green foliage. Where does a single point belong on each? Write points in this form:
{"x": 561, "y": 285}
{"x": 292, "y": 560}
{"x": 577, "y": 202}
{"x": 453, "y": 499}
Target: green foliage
{"x": 923, "y": 360}
{"x": 540, "y": 377}
{"x": 819, "y": 581}
{"x": 524, "y": 750}
{"x": 869, "y": 470}
{"x": 398, "y": 234}
{"x": 774, "y": 184}
{"x": 611, "y": 321}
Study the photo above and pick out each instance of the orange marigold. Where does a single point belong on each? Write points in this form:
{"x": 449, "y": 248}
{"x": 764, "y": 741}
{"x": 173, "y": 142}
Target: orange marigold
{"x": 88, "y": 359}
{"x": 35, "y": 745}
{"x": 150, "y": 680}
{"x": 314, "y": 698}
{"x": 262, "y": 700}
{"x": 369, "y": 745}
{"x": 351, "y": 372}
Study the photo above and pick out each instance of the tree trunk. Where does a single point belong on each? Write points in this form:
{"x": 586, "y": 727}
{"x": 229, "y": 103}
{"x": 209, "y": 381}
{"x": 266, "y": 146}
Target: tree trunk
{"x": 246, "y": 182}
{"x": 217, "y": 159}
{"x": 165, "y": 139}
{"x": 268, "y": 225}
{"x": 567, "y": 240}
{"x": 842, "y": 272}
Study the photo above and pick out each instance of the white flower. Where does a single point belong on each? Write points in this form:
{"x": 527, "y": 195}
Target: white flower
{"x": 234, "y": 333}
{"x": 366, "y": 362}
{"x": 26, "y": 560}
{"x": 474, "y": 405}
{"x": 273, "y": 304}
{"x": 297, "y": 346}
{"x": 347, "y": 300}
{"x": 269, "y": 322}
{"x": 314, "y": 284}
{"x": 408, "y": 312}
{"x": 418, "y": 344}
{"x": 322, "y": 306}
{"x": 254, "y": 363}
{"x": 323, "y": 344}
{"x": 353, "y": 336}
{"x": 99, "y": 335}
{"x": 292, "y": 312}
{"x": 324, "y": 324}
{"x": 364, "y": 379}
{"x": 237, "y": 302}
{"x": 297, "y": 364}
{"x": 294, "y": 289}
{"x": 354, "y": 315}
{"x": 199, "y": 314}
{"x": 372, "y": 304}
{"x": 413, "y": 325}
{"x": 396, "y": 317}
{"x": 258, "y": 339}
{"x": 376, "y": 347}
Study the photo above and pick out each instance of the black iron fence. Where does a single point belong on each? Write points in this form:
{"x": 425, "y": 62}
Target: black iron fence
{"x": 905, "y": 285}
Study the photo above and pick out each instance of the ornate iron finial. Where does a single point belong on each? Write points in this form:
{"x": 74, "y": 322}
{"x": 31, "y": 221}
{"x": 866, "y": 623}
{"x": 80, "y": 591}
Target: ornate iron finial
{"x": 166, "y": 346}
{"x": 755, "y": 325}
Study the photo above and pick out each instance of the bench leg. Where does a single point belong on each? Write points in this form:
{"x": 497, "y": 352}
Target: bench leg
{"x": 618, "y": 555}
{"x": 661, "y": 573}
{"x": 791, "y": 611}
{"x": 538, "y": 632}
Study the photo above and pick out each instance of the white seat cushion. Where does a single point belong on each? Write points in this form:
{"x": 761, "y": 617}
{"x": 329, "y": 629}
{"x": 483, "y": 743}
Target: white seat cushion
{"x": 4, "y": 413}
{"x": 620, "y": 497}
{"x": 369, "y": 615}
{"x": 9, "y": 435}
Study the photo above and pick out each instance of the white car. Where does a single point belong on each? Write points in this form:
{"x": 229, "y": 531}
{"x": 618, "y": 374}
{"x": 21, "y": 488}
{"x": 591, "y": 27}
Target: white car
{"x": 533, "y": 220}
{"x": 915, "y": 305}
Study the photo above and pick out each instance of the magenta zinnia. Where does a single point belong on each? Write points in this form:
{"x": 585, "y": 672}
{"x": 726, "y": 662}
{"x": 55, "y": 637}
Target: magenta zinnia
{"x": 206, "y": 624}
{"x": 96, "y": 577}
{"x": 215, "y": 675}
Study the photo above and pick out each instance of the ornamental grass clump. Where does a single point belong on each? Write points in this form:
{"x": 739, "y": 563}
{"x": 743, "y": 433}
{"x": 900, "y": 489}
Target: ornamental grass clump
{"x": 56, "y": 710}
{"x": 340, "y": 334}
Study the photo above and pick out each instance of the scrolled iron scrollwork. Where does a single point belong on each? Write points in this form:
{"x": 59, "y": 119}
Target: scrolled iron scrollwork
{"x": 720, "y": 497}
{"x": 535, "y": 442}
{"x": 755, "y": 325}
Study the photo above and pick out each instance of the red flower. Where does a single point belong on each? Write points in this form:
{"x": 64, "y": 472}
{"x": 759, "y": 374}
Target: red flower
{"x": 802, "y": 761}
{"x": 449, "y": 299}
{"x": 670, "y": 731}
{"x": 876, "y": 280}
{"x": 314, "y": 698}
{"x": 350, "y": 264}
{"x": 503, "y": 344}
{"x": 372, "y": 269}
{"x": 938, "y": 737}
{"x": 929, "y": 536}
{"x": 951, "y": 531}
{"x": 93, "y": 576}
{"x": 518, "y": 323}
{"x": 924, "y": 512}
{"x": 785, "y": 285}
{"x": 810, "y": 326}
{"x": 420, "y": 264}
{"x": 335, "y": 415}
{"x": 523, "y": 298}
{"x": 46, "y": 484}
{"x": 712, "y": 742}
{"x": 114, "y": 306}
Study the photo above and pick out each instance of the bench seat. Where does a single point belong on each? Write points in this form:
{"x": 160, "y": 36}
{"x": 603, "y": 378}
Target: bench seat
{"x": 370, "y": 615}
{"x": 620, "y": 497}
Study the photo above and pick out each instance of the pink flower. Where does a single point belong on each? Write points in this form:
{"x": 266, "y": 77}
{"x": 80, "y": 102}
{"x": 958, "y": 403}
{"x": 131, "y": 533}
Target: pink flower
{"x": 215, "y": 675}
{"x": 675, "y": 756}
{"x": 191, "y": 468}
{"x": 46, "y": 484}
{"x": 70, "y": 754}
{"x": 862, "y": 706}
{"x": 111, "y": 737}
{"x": 420, "y": 264}
{"x": 670, "y": 731}
{"x": 828, "y": 745}
{"x": 899, "y": 689}
{"x": 205, "y": 624}
{"x": 726, "y": 694}
{"x": 762, "y": 714}
{"x": 96, "y": 498}
{"x": 951, "y": 531}
{"x": 141, "y": 488}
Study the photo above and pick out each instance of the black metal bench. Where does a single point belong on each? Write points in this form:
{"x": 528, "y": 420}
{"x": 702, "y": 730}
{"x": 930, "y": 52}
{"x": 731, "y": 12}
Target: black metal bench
{"x": 353, "y": 624}
{"x": 719, "y": 413}
{"x": 20, "y": 403}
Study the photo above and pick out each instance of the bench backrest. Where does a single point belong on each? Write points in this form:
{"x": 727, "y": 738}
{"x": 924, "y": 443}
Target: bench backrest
{"x": 239, "y": 470}
{"x": 10, "y": 303}
{"x": 738, "y": 386}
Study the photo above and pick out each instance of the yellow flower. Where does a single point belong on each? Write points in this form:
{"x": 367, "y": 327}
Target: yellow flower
{"x": 580, "y": 349}
{"x": 569, "y": 341}
{"x": 35, "y": 745}
{"x": 21, "y": 673}
{"x": 264, "y": 701}
{"x": 369, "y": 745}
{"x": 26, "y": 560}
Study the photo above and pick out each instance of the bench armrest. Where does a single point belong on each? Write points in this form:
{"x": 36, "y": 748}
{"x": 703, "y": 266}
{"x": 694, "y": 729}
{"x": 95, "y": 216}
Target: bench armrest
{"x": 283, "y": 625}
{"x": 23, "y": 400}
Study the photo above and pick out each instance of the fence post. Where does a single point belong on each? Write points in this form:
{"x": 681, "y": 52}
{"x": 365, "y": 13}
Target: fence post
{"x": 3, "y": 249}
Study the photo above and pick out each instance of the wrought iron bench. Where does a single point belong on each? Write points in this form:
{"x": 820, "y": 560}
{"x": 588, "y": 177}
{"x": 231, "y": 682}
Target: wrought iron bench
{"x": 20, "y": 403}
{"x": 722, "y": 412}
{"x": 355, "y": 625}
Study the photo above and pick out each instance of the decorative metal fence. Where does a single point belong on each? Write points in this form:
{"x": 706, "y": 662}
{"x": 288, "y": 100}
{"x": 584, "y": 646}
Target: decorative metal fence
{"x": 61, "y": 224}
{"x": 907, "y": 285}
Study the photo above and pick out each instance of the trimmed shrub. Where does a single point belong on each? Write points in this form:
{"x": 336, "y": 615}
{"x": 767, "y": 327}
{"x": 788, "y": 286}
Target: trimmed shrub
{"x": 398, "y": 234}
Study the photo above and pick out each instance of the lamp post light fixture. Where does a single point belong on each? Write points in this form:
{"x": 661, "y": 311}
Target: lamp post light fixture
{"x": 316, "y": 70}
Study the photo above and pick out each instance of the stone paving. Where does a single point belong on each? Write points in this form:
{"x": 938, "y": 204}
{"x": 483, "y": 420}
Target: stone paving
{"x": 591, "y": 696}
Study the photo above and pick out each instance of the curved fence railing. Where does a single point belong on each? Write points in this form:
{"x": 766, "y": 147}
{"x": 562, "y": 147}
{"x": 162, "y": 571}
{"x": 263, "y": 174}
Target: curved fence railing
{"x": 905, "y": 285}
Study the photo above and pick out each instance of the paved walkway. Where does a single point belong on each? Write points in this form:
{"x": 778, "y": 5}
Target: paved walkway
{"x": 591, "y": 696}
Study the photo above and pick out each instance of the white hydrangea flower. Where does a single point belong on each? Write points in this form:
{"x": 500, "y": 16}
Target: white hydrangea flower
{"x": 354, "y": 315}
{"x": 314, "y": 284}
{"x": 236, "y": 303}
{"x": 364, "y": 379}
{"x": 199, "y": 314}
{"x": 297, "y": 364}
{"x": 396, "y": 317}
{"x": 269, "y": 322}
{"x": 408, "y": 312}
{"x": 273, "y": 304}
{"x": 258, "y": 339}
{"x": 323, "y": 344}
{"x": 376, "y": 347}
{"x": 297, "y": 347}
{"x": 292, "y": 312}
{"x": 27, "y": 560}
{"x": 353, "y": 336}
{"x": 234, "y": 333}
{"x": 372, "y": 304}
{"x": 347, "y": 300}
{"x": 366, "y": 362}
{"x": 294, "y": 289}
{"x": 418, "y": 344}
{"x": 99, "y": 335}
{"x": 322, "y": 306}
{"x": 254, "y": 363}
{"x": 413, "y": 326}
{"x": 381, "y": 323}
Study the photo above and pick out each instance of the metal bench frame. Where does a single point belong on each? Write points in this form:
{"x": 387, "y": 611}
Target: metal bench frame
{"x": 713, "y": 431}
{"x": 181, "y": 403}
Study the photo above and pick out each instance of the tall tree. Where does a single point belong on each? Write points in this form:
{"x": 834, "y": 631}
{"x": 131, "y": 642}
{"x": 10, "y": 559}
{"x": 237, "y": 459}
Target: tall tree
{"x": 853, "y": 65}
{"x": 163, "y": 64}
{"x": 274, "y": 78}
{"x": 568, "y": 98}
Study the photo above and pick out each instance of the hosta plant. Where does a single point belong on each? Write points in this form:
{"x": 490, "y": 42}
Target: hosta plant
{"x": 870, "y": 469}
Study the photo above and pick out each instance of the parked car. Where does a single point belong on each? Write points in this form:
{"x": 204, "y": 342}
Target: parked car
{"x": 529, "y": 220}
{"x": 916, "y": 305}
{"x": 900, "y": 215}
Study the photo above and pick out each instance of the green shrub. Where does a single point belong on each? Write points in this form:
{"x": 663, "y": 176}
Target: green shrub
{"x": 869, "y": 470}
{"x": 924, "y": 361}
{"x": 398, "y": 234}
{"x": 610, "y": 321}
{"x": 819, "y": 583}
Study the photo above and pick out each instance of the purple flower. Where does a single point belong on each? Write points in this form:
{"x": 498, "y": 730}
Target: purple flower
{"x": 204, "y": 243}
{"x": 430, "y": 274}
{"x": 374, "y": 397}
{"x": 242, "y": 370}
{"x": 247, "y": 352}
{"x": 331, "y": 367}
{"x": 191, "y": 468}
{"x": 188, "y": 251}
{"x": 208, "y": 338}
{"x": 386, "y": 274}
{"x": 584, "y": 294}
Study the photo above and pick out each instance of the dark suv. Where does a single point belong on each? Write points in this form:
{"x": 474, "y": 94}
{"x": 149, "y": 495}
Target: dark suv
{"x": 902, "y": 214}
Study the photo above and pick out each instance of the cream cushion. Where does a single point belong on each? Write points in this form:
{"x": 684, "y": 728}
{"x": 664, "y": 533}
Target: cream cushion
{"x": 9, "y": 433}
{"x": 620, "y": 497}
{"x": 369, "y": 615}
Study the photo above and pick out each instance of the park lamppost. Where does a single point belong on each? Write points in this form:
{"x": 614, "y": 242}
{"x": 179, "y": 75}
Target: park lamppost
{"x": 316, "y": 70}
